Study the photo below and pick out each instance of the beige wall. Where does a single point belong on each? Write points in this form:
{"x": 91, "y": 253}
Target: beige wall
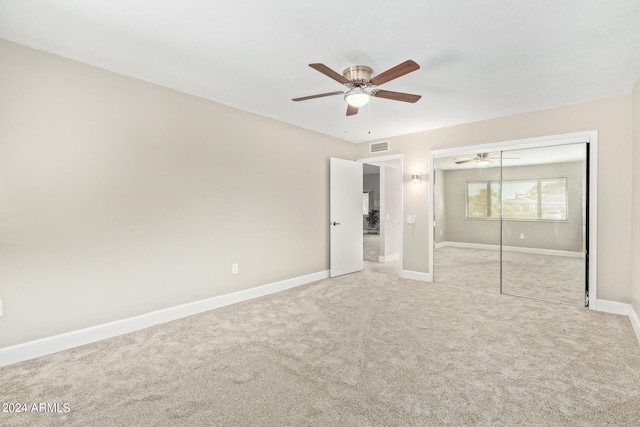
{"x": 636, "y": 200}
{"x": 611, "y": 117}
{"x": 119, "y": 197}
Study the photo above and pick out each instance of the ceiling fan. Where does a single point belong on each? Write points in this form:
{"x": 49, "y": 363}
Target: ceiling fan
{"x": 361, "y": 86}
{"x": 481, "y": 159}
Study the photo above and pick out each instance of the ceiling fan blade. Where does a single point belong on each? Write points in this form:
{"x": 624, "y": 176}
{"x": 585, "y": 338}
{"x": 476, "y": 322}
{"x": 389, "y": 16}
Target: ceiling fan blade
{"x": 351, "y": 110}
{"x": 393, "y": 73}
{"x": 396, "y": 96}
{"x": 330, "y": 73}
{"x": 460, "y": 161}
{"x": 320, "y": 95}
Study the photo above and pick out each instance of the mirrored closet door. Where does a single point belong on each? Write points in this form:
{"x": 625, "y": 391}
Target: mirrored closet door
{"x": 467, "y": 223}
{"x": 514, "y": 222}
{"x": 544, "y": 217}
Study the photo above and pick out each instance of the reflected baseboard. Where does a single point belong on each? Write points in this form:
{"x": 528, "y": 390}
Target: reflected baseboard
{"x": 518, "y": 249}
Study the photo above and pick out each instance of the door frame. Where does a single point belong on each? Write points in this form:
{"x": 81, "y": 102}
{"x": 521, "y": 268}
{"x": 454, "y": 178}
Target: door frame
{"x": 392, "y": 160}
{"x": 589, "y": 137}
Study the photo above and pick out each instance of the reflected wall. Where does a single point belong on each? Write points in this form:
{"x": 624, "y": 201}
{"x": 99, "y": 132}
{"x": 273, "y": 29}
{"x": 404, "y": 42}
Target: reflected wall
{"x": 513, "y": 222}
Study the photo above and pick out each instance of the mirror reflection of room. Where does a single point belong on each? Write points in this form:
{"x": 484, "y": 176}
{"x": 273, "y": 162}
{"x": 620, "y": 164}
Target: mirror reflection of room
{"x": 371, "y": 212}
{"x": 515, "y": 224}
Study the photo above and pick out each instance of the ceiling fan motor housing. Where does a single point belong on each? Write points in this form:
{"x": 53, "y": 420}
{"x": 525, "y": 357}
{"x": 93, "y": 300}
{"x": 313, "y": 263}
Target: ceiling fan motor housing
{"x": 358, "y": 75}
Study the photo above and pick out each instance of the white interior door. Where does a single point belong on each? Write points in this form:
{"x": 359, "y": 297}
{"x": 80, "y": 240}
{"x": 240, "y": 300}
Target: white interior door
{"x": 345, "y": 205}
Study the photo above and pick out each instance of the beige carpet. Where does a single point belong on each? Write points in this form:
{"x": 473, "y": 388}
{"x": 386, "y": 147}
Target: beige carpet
{"x": 371, "y": 247}
{"x": 366, "y": 349}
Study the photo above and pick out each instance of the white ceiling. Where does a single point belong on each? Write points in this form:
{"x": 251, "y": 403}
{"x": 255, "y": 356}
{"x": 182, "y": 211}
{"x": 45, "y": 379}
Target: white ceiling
{"x": 479, "y": 59}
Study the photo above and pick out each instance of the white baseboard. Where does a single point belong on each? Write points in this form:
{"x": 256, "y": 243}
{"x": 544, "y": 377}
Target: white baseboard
{"x": 416, "y": 275}
{"x": 635, "y": 322}
{"x": 56, "y": 343}
{"x": 612, "y": 307}
{"x": 525, "y": 250}
{"x": 622, "y": 309}
{"x": 389, "y": 258}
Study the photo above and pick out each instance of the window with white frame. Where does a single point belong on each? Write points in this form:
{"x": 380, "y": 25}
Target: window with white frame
{"x": 543, "y": 199}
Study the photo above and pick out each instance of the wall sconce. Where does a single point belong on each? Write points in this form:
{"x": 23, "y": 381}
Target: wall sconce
{"x": 416, "y": 177}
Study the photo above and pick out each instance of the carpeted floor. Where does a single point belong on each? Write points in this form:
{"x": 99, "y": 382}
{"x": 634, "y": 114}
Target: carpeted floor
{"x": 371, "y": 247}
{"x": 365, "y": 349}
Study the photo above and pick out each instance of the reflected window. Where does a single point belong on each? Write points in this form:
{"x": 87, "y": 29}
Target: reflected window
{"x": 365, "y": 203}
{"x": 553, "y": 199}
{"x": 531, "y": 199}
{"x": 520, "y": 199}
{"x": 483, "y": 200}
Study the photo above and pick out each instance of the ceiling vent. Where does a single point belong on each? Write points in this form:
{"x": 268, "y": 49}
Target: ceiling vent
{"x": 378, "y": 147}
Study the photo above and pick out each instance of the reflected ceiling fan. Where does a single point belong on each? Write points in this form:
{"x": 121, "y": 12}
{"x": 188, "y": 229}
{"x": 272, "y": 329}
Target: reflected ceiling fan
{"x": 361, "y": 86}
{"x": 481, "y": 159}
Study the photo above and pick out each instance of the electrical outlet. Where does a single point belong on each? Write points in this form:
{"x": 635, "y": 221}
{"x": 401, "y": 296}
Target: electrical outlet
{"x": 234, "y": 268}
{"x": 522, "y": 235}
{"x": 1, "y": 308}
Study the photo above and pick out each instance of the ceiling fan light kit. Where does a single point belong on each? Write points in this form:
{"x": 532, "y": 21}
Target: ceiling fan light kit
{"x": 357, "y": 97}
{"x": 361, "y": 86}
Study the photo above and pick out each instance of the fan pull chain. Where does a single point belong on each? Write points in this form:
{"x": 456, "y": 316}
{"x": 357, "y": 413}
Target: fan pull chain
{"x": 345, "y": 123}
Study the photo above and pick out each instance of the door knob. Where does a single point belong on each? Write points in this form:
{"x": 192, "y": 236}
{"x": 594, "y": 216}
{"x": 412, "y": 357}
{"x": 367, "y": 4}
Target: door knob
{"x": 335, "y": 223}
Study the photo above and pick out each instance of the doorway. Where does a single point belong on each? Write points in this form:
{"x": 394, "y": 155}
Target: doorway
{"x": 382, "y": 213}
{"x": 515, "y": 219}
